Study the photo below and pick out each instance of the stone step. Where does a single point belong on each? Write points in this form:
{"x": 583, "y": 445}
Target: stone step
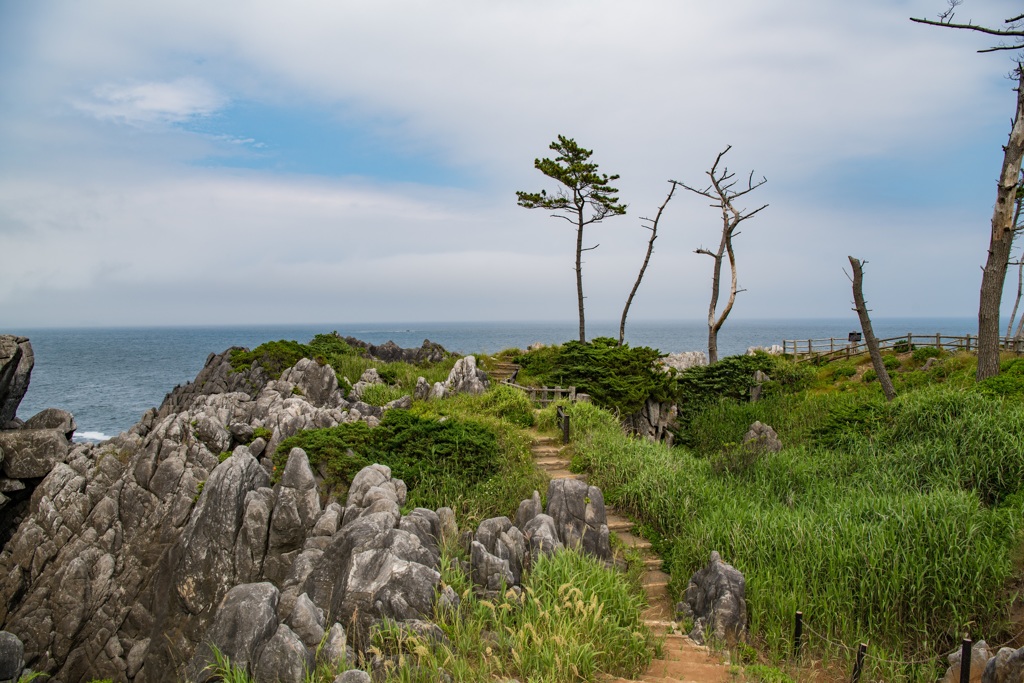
{"x": 565, "y": 474}
{"x": 551, "y": 461}
{"x": 653, "y": 562}
{"x": 547, "y": 441}
{"x": 616, "y": 523}
{"x": 631, "y": 540}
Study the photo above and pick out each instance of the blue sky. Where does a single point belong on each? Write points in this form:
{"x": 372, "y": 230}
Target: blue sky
{"x": 230, "y": 163}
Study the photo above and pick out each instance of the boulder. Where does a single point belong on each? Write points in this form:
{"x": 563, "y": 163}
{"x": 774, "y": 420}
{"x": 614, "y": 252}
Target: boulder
{"x": 295, "y": 512}
{"x": 489, "y": 571}
{"x": 716, "y": 601}
{"x": 12, "y": 656}
{"x": 422, "y": 390}
{"x": 762, "y": 439}
{"x": 32, "y": 453}
{"x": 334, "y": 651}
{"x": 353, "y": 676}
{"x": 245, "y": 620}
{"x": 206, "y": 571}
{"x": 1006, "y": 667}
{"x": 306, "y": 620}
{"x": 53, "y": 418}
{"x": 579, "y": 516}
{"x": 318, "y": 383}
{"x": 542, "y": 535}
{"x": 980, "y": 654}
{"x": 528, "y": 509}
{"x": 465, "y": 378}
{"x": 16, "y": 361}
{"x": 771, "y": 350}
{"x": 284, "y": 659}
{"x": 684, "y": 361}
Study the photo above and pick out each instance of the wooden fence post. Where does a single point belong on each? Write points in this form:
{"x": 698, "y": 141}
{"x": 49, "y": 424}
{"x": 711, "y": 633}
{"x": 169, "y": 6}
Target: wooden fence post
{"x": 858, "y": 666}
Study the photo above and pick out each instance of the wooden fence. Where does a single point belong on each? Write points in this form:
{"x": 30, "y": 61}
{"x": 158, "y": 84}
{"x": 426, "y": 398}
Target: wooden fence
{"x": 833, "y": 348}
{"x": 544, "y": 396}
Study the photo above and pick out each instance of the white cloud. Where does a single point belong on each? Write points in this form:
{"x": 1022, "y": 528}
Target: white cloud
{"x": 154, "y": 102}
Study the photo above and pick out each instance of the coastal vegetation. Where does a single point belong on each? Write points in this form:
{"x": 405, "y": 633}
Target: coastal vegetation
{"x": 898, "y": 524}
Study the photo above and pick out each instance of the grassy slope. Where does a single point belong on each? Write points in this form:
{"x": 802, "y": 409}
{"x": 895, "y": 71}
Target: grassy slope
{"x": 895, "y": 524}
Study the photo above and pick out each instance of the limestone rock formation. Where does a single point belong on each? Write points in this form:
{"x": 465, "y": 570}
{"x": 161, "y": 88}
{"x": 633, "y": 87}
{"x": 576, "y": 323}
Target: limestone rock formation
{"x": 761, "y": 438}
{"x": 685, "y": 360}
{"x": 1007, "y": 666}
{"x": 16, "y": 361}
{"x": 980, "y": 654}
{"x": 716, "y": 601}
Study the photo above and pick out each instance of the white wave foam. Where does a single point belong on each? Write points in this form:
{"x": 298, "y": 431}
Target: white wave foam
{"x": 91, "y": 437}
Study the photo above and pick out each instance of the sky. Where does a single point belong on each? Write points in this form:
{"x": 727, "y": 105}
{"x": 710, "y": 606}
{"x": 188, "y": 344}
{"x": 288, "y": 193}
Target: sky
{"x": 208, "y": 163}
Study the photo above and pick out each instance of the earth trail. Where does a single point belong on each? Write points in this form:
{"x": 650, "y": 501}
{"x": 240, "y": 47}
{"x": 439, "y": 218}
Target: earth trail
{"x": 682, "y": 660}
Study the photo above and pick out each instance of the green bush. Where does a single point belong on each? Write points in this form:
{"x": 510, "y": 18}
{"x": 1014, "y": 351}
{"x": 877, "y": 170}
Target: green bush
{"x": 903, "y": 346}
{"x": 616, "y": 377}
{"x": 437, "y": 459}
{"x": 891, "y": 363}
{"x": 274, "y": 357}
{"x": 921, "y": 354}
{"x": 869, "y": 376}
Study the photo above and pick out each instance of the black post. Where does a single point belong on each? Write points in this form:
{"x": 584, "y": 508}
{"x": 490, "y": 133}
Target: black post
{"x": 565, "y": 428}
{"x": 859, "y": 665}
{"x": 798, "y": 631}
{"x": 965, "y": 661}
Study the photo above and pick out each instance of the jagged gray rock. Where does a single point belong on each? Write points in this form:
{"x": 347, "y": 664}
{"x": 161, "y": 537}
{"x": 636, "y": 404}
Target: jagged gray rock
{"x": 579, "y": 516}
{"x": 683, "y": 361}
{"x": 12, "y": 656}
{"x": 465, "y": 378}
{"x": 353, "y": 676}
{"x": 318, "y": 383}
{"x": 1006, "y": 667}
{"x": 528, "y": 509}
{"x": 762, "y": 439}
{"x": 542, "y": 535}
{"x": 53, "y": 418}
{"x": 283, "y": 659}
{"x": 716, "y": 601}
{"x": 32, "y": 453}
{"x": 980, "y": 654}
{"x": 422, "y": 390}
{"x": 16, "y": 361}
{"x": 295, "y": 512}
{"x": 246, "y": 619}
{"x": 489, "y": 571}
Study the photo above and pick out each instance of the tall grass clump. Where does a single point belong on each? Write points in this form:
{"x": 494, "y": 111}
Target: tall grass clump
{"x": 574, "y": 620}
{"x": 895, "y": 533}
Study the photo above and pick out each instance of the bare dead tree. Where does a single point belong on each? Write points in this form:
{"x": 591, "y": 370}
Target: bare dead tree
{"x": 1001, "y": 237}
{"x": 869, "y": 334}
{"x": 1017, "y": 228}
{"x": 723, "y": 194}
{"x": 652, "y": 225}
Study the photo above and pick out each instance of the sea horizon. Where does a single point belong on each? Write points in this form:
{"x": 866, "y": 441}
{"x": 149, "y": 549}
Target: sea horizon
{"x": 108, "y": 376}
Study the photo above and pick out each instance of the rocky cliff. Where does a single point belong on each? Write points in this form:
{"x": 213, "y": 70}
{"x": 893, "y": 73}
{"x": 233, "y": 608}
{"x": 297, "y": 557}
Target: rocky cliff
{"x": 138, "y": 558}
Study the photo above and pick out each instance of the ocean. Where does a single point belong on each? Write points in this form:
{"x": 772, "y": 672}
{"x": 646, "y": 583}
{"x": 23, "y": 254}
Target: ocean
{"x": 109, "y": 377}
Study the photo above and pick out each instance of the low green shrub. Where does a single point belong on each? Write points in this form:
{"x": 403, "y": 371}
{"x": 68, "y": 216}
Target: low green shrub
{"x": 923, "y": 353}
{"x": 891, "y": 363}
{"x": 274, "y": 357}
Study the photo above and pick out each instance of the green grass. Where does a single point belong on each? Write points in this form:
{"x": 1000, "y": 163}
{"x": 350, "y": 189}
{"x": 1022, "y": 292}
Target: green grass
{"x": 574, "y": 620}
{"x": 898, "y": 524}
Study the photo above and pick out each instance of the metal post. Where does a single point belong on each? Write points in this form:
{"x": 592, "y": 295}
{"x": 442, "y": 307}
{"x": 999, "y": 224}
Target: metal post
{"x": 565, "y": 428}
{"x": 965, "y": 661}
{"x": 858, "y": 666}
{"x": 798, "y": 630}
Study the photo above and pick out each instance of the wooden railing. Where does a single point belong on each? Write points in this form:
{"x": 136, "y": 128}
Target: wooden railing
{"x": 545, "y": 396}
{"x": 825, "y": 350}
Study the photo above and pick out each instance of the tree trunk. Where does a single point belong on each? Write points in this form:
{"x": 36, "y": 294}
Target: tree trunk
{"x": 994, "y": 275}
{"x": 869, "y": 333}
{"x": 647, "y": 259}
{"x": 579, "y": 275}
{"x": 716, "y": 279}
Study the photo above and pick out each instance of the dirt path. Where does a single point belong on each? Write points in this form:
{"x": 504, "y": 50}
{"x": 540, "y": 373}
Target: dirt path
{"x": 683, "y": 661}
